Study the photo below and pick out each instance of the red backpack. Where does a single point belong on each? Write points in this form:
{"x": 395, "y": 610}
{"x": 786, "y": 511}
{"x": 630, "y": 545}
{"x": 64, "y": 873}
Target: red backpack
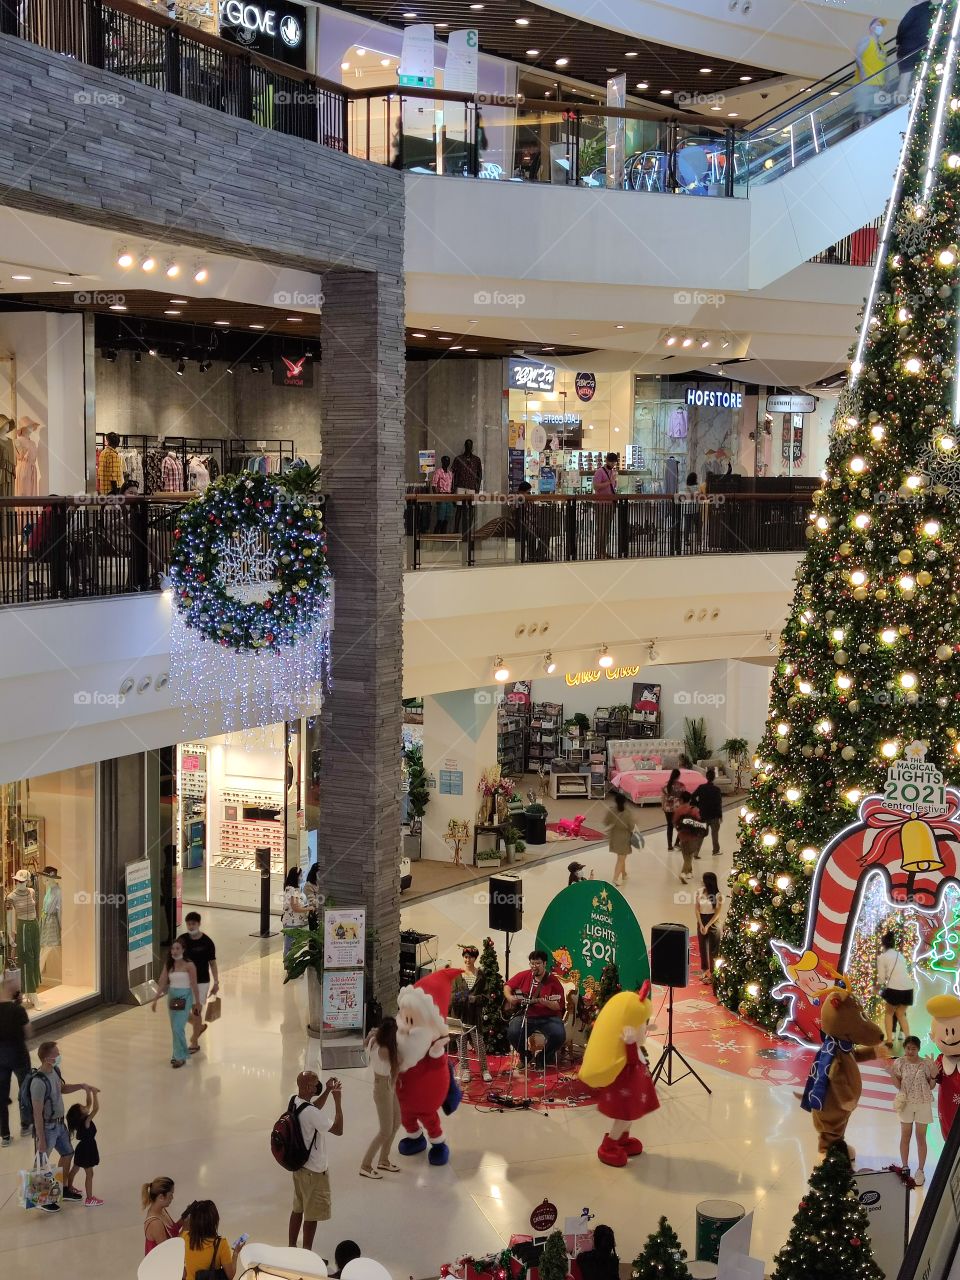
{"x": 286, "y": 1138}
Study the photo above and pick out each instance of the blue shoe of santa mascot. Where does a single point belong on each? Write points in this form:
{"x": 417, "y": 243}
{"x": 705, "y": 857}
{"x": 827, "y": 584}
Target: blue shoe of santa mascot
{"x": 413, "y": 1147}
{"x": 439, "y": 1153}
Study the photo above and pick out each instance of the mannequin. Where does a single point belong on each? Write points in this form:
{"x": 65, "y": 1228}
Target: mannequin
{"x": 50, "y": 911}
{"x": 26, "y": 483}
{"x": 23, "y": 900}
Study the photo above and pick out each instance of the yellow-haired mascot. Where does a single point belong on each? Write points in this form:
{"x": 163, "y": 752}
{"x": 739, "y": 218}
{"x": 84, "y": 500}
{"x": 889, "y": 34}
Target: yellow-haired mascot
{"x": 617, "y": 1072}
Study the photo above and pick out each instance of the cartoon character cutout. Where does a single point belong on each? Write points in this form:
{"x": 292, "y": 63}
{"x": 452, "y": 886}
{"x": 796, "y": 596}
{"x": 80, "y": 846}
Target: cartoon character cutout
{"x": 945, "y": 1034}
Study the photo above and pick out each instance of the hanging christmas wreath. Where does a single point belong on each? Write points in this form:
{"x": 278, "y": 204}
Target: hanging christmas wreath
{"x": 249, "y": 566}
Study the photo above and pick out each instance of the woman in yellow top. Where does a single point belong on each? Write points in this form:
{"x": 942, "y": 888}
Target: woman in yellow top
{"x": 871, "y": 75}
{"x": 206, "y": 1248}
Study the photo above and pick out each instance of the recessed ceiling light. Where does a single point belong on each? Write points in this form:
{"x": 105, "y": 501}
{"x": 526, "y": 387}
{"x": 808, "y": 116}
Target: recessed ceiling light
{"x": 522, "y": 22}
{"x": 455, "y": 348}
{"x": 561, "y": 62}
{"x": 574, "y": 335}
{"x": 409, "y": 15}
{"x": 664, "y": 93}
{"x": 166, "y": 313}
{"x": 418, "y": 335}
{"x": 632, "y": 54}
{"x": 178, "y": 302}
{"x": 705, "y": 71}
{"x": 384, "y": 62}
{"x": 441, "y": 24}
{"x": 442, "y": 338}
{"x": 117, "y": 306}
{"x": 715, "y": 108}
{"x": 610, "y": 71}
{"x": 360, "y": 52}
{"x": 344, "y": 66}
{"x": 533, "y": 53}
{"x": 548, "y": 348}
{"x": 22, "y": 277}
{"x": 295, "y": 319}
{"x": 745, "y": 79}
{"x": 643, "y": 85}
{"x": 221, "y": 322}
{"x": 256, "y": 326}
{"x": 472, "y": 348}
{"x": 476, "y": 6}
{"x": 67, "y": 282}
{"x": 619, "y": 326}
{"x": 733, "y": 114}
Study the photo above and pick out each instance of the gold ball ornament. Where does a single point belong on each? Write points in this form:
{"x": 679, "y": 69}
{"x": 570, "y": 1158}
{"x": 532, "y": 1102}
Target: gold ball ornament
{"x": 881, "y": 594}
{"x": 847, "y": 753}
{"x": 840, "y": 657}
{"x": 944, "y": 653}
{"x": 845, "y": 549}
{"x": 905, "y": 556}
{"x": 860, "y": 593}
{"x": 924, "y": 578}
{"x": 904, "y": 629}
{"x": 853, "y": 705}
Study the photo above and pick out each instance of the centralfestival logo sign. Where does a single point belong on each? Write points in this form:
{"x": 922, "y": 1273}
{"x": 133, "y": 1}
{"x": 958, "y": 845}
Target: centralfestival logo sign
{"x": 587, "y": 926}
{"x": 910, "y": 838}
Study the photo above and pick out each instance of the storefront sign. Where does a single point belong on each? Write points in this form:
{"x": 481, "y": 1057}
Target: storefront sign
{"x": 342, "y": 1000}
{"x": 701, "y": 397}
{"x": 589, "y": 925}
{"x": 530, "y": 375}
{"x": 460, "y": 71}
{"x": 293, "y": 373}
{"x": 278, "y": 30}
{"x": 344, "y": 937}
{"x": 792, "y": 439}
{"x": 139, "y": 894}
{"x": 573, "y": 678}
{"x": 558, "y": 419}
{"x": 791, "y": 404}
{"x": 585, "y": 385}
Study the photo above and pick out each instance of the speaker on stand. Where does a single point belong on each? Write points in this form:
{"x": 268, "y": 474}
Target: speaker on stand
{"x": 670, "y": 968}
{"x": 505, "y": 909}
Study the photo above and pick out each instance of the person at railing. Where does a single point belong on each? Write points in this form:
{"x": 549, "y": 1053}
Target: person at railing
{"x": 467, "y": 478}
{"x": 441, "y": 481}
{"x": 912, "y": 35}
{"x": 871, "y": 75}
{"x": 605, "y": 491}
{"x": 689, "y": 501}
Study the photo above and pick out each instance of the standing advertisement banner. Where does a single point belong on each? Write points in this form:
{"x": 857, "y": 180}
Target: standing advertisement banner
{"x": 139, "y": 894}
{"x": 343, "y": 1000}
{"x": 344, "y": 953}
{"x": 616, "y": 131}
{"x": 460, "y": 71}
{"x": 416, "y": 128}
{"x": 886, "y": 1199}
{"x": 344, "y": 938}
{"x": 587, "y": 926}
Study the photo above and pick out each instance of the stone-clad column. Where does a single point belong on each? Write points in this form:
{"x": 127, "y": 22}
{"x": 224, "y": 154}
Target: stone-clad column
{"x": 362, "y": 435}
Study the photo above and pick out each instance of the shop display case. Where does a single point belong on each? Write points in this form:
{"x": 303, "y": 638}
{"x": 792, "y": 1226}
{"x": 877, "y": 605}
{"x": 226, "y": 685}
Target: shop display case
{"x": 545, "y": 722}
{"x": 249, "y": 820}
{"x": 511, "y": 740}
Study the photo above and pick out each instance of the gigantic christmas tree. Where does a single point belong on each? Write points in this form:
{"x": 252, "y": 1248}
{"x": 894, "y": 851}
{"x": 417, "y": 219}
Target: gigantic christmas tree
{"x": 870, "y": 654}
{"x": 829, "y": 1237}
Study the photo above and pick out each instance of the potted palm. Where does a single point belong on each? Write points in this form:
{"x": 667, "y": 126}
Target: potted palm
{"x": 305, "y": 957}
{"x": 737, "y": 751}
{"x": 695, "y": 740}
{"x": 418, "y": 795}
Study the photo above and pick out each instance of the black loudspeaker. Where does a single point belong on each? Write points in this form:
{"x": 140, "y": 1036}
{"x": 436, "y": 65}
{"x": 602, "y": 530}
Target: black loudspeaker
{"x": 670, "y": 955}
{"x": 506, "y": 904}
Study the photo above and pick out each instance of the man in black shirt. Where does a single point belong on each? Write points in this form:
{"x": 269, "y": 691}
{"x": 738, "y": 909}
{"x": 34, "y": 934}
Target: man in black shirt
{"x": 912, "y": 35}
{"x": 709, "y": 801}
{"x": 200, "y": 948}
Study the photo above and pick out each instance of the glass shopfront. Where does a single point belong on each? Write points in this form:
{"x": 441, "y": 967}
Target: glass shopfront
{"x": 686, "y": 424}
{"x": 52, "y": 899}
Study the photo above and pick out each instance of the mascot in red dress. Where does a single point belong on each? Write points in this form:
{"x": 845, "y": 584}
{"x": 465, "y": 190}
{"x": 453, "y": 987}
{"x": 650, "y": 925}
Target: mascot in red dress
{"x": 615, "y": 1069}
{"x": 425, "y": 1083}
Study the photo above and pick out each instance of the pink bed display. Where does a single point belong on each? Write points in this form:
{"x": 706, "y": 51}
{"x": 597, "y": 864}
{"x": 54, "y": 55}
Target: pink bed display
{"x": 642, "y": 785}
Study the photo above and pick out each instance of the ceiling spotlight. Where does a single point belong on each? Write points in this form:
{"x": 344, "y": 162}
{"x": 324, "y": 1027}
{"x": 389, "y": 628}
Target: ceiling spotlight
{"x": 652, "y": 652}
{"x": 500, "y": 672}
{"x": 561, "y": 62}
{"x": 605, "y": 660}
{"x": 172, "y": 270}
{"x": 549, "y": 666}
{"x": 205, "y": 364}
{"x": 522, "y": 22}
{"x": 110, "y": 354}
{"x": 671, "y": 341}
{"x": 124, "y": 258}
{"x": 181, "y": 367}
{"x": 643, "y": 84}
{"x": 137, "y": 357}
{"x": 771, "y": 646}
{"x": 687, "y": 342}
{"x": 201, "y": 275}
{"x": 256, "y": 365}
{"x": 152, "y": 351}
{"x": 148, "y": 262}
{"x": 533, "y": 53}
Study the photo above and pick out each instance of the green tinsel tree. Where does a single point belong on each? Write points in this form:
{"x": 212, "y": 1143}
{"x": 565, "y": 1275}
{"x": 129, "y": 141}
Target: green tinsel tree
{"x": 663, "y": 1256}
{"x": 489, "y": 999}
{"x": 554, "y": 1264}
{"x": 829, "y": 1237}
{"x": 609, "y": 984}
{"x": 869, "y": 659}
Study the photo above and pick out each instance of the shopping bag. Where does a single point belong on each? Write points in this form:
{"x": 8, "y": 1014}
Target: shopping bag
{"x": 40, "y": 1185}
{"x": 212, "y": 1011}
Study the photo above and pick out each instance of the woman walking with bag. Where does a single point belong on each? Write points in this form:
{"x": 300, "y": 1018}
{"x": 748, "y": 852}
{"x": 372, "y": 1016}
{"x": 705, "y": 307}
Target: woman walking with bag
{"x": 178, "y": 982}
{"x": 382, "y": 1047}
{"x": 620, "y": 823}
{"x": 708, "y": 904}
{"x": 896, "y": 988}
{"x": 668, "y": 802}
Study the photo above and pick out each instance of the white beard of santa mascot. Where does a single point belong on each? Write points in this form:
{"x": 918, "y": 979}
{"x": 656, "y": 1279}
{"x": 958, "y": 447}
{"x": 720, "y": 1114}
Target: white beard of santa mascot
{"x": 425, "y": 1082}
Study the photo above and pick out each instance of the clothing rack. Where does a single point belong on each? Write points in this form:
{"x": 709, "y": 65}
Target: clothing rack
{"x": 183, "y": 447}
{"x": 280, "y": 453}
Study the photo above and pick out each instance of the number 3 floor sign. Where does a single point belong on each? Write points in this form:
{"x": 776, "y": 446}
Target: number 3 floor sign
{"x": 589, "y": 925}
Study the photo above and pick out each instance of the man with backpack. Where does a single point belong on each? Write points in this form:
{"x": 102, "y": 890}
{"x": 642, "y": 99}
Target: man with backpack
{"x": 298, "y": 1143}
{"x": 42, "y": 1092}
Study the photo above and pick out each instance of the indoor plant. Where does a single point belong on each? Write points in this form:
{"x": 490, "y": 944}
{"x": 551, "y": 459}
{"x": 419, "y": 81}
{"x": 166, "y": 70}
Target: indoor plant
{"x": 516, "y": 847}
{"x": 306, "y": 957}
{"x": 417, "y": 789}
{"x": 695, "y": 740}
{"x": 737, "y": 751}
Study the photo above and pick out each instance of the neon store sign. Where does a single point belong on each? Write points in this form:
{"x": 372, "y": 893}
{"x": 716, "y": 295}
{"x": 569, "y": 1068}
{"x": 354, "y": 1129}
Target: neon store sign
{"x": 909, "y": 838}
{"x": 573, "y": 678}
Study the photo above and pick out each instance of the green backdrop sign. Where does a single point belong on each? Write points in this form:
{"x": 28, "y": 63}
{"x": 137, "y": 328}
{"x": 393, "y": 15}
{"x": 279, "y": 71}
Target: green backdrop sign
{"x": 588, "y": 925}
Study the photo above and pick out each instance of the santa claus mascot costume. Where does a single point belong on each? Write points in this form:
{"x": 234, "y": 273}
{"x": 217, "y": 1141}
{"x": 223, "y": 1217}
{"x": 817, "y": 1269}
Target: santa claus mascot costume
{"x": 425, "y": 1083}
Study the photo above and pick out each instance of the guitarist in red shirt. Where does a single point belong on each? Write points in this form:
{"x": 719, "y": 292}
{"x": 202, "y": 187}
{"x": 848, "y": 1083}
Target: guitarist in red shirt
{"x": 536, "y": 1000}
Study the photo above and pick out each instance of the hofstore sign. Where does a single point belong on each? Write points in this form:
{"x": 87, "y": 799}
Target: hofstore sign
{"x": 279, "y": 30}
{"x": 712, "y": 398}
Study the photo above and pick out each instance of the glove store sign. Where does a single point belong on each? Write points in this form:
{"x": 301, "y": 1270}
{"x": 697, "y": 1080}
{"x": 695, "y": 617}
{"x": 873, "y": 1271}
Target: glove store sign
{"x": 277, "y": 30}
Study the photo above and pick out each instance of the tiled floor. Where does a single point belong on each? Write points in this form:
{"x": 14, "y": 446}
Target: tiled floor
{"x": 208, "y": 1126}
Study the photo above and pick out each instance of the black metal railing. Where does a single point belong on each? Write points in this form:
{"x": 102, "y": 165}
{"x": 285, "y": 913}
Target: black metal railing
{"x": 82, "y": 547}
{"x": 454, "y": 531}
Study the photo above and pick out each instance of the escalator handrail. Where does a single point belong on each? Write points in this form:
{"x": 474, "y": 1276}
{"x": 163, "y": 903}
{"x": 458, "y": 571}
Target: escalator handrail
{"x": 801, "y": 102}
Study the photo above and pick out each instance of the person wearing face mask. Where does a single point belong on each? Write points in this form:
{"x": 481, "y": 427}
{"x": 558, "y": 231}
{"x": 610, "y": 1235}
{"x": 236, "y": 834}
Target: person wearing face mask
{"x": 871, "y": 75}
{"x": 178, "y": 982}
{"x": 47, "y": 1087}
{"x": 200, "y": 949}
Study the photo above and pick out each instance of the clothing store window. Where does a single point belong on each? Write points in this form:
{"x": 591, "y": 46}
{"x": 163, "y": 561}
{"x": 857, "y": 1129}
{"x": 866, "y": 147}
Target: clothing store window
{"x": 682, "y": 425}
{"x": 51, "y": 898}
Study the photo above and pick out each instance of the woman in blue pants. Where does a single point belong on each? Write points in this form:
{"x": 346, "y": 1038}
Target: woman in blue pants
{"x": 178, "y": 982}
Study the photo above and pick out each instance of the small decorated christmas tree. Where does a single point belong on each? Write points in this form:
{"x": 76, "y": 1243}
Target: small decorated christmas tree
{"x": 663, "y": 1256}
{"x": 489, "y": 999}
{"x": 609, "y": 984}
{"x": 829, "y": 1236}
{"x": 554, "y": 1264}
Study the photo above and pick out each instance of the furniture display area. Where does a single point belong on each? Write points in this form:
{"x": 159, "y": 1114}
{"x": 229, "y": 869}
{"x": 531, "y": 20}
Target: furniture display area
{"x": 545, "y": 721}
{"x": 564, "y": 786}
{"x": 644, "y": 779}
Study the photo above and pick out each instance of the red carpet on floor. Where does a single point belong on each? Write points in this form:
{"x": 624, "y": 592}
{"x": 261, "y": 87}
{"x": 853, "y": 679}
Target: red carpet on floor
{"x": 586, "y": 833}
{"x": 561, "y": 1088}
